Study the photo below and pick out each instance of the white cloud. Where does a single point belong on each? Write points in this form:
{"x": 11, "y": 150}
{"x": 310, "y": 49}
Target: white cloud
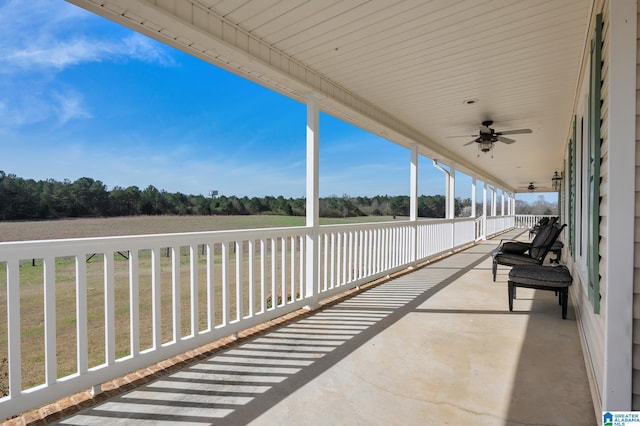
{"x": 61, "y": 106}
{"x": 47, "y": 55}
{"x": 22, "y": 111}
{"x": 41, "y": 38}
{"x": 144, "y": 49}
{"x": 70, "y": 106}
{"x": 52, "y": 35}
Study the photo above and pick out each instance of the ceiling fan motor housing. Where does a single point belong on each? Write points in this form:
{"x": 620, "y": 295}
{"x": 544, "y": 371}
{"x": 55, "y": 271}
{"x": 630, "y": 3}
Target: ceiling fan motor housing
{"x": 485, "y": 146}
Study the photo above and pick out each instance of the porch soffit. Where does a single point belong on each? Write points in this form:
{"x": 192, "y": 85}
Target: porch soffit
{"x": 401, "y": 69}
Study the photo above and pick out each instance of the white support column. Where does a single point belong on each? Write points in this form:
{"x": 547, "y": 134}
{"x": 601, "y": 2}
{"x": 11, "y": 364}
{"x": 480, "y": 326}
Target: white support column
{"x": 413, "y": 196}
{"x": 484, "y": 210}
{"x": 620, "y": 208}
{"x": 451, "y": 193}
{"x": 313, "y": 209}
{"x": 447, "y": 191}
{"x": 502, "y": 212}
{"x": 473, "y": 197}
{"x": 493, "y": 200}
{"x": 413, "y": 203}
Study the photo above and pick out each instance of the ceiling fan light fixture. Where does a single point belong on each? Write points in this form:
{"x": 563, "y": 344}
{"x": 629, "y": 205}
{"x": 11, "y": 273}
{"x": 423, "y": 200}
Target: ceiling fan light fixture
{"x": 556, "y": 180}
{"x": 486, "y": 146}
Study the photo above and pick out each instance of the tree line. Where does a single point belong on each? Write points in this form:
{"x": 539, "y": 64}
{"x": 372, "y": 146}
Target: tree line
{"x": 29, "y": 199}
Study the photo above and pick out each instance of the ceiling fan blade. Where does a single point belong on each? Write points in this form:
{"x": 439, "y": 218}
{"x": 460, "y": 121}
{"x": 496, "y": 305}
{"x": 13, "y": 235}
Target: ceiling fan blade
{"x": 515, "y": 132}
{"x": 505, "y": 140}
{"x": 469, "y": 143}
{"x": 462, "y": 136}
{"x": 485, "y": 130}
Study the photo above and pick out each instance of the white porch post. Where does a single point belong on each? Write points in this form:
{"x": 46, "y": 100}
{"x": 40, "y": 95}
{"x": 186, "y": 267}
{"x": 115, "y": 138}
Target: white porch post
{"x": 473, "y": 197}
{"x": 451, "y": 193}
{"x": 484, "y": 210}
{"x": 313, "y": 210}
{"x": 493, "y": 201}
{"x": 502, "y": 212}
{"x": 413, "y": 201}
{"x": 620, "y": 208}
{"x": 512, "y": 205}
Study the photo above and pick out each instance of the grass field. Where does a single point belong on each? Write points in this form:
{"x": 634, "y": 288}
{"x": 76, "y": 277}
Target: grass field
{"x": 142, "y": 225}
{"x": 32, "y": 288}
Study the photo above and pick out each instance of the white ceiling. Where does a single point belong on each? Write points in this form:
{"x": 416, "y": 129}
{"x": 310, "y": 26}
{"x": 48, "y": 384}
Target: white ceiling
{"x": 400, "y": 68}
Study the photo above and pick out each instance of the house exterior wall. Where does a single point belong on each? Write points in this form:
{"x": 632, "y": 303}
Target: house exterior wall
{"x": 591, "y": 324}
{"x": 619, "y": 173}
{"x": 609, "y": 317}
{"x": 636, "y": 274}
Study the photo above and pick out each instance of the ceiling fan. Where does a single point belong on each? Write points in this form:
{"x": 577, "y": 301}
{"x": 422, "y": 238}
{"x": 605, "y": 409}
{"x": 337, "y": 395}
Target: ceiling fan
{"x": 531, "y": 187}
{"x": 487, "y": 136}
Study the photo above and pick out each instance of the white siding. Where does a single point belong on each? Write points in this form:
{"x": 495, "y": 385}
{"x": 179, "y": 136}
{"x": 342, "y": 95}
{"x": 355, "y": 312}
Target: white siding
{"x": 591, "y": 325}
{"x": 636, "y": 273}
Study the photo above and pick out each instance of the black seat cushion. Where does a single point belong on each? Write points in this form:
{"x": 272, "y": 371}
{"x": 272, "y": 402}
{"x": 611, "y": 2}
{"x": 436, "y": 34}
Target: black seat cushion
{"x": 551, "y": 276}
{"x": 512, "y": 259}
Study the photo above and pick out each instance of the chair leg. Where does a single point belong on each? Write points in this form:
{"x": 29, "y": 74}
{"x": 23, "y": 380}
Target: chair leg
{"x": 564, "y": 295}
{"x": 511, "y": 291}
{"x": 494, "y": 269}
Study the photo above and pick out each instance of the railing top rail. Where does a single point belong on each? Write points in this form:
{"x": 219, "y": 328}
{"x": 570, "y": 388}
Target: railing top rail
{"x": 535, "y": 215}
{"x": 387, "y": 224}
{"x": 69, "y": 246}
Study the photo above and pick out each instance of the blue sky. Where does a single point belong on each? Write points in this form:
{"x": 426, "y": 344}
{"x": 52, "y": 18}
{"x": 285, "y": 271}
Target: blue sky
{"x": 82, "y": 96}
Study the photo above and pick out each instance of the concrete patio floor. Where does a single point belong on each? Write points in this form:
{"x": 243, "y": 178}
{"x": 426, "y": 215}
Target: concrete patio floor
{"x": 432, "y": 347}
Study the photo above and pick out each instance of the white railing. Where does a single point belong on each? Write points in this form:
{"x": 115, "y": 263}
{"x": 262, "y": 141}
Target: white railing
{"x": 497, "y": 224}
{"x": 479, "y": 226}
{"x": 528, "y": 220}
{"x": 81, "y": 312}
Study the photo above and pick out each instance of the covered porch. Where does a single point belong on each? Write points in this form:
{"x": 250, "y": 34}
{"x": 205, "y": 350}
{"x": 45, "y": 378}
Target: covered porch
{"x": 433, "y": 345}
{"x": 561, "y": 77}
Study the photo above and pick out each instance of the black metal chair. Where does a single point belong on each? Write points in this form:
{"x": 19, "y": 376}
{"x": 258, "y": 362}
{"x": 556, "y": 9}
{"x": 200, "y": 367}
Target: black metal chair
{"x": 534, "y": 229}
{"x": 545, "y": 221}
{"x": 512, "y": 253}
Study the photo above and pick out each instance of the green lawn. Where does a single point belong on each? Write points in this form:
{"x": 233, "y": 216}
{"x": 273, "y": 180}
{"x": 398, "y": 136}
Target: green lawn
{"x": 137, "y": 225}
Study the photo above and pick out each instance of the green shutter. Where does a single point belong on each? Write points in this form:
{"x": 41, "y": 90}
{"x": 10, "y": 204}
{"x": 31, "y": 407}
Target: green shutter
{"x": 593, "y": 228}
{"x": 572, "y": 191}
